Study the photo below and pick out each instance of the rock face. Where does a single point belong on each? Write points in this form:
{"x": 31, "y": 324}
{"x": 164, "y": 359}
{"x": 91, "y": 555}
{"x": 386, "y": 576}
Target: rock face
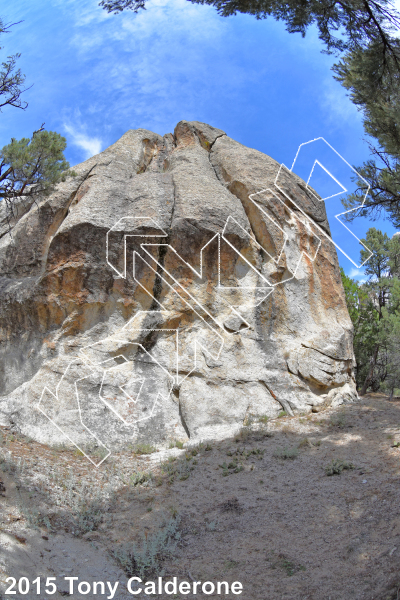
{"x": 169, "y": 290}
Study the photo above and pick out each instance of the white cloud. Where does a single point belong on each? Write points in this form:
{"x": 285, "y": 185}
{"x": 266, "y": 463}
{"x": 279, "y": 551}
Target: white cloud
{"x": 148, "y": 65}
{"x": 335, "y": 100}
{"x": 357, "y": 274}
{"x": 90, "y": 145}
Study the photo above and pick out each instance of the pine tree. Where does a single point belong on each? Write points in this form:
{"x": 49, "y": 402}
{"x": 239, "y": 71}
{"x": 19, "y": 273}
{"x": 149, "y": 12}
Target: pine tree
{"x": 389, "y": 333}
{"x": 29, "y": 166}
{"x": 374, "y": 308}
{"x": 11, "y": 79}
{"x": 374, "y": 86}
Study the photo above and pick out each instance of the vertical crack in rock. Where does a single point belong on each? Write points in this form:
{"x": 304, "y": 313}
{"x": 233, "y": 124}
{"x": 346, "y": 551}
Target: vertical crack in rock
{"x": 284, "y": 403}
{"x": 173, "y": 207}
{"x": 157, "y": 287}
{"x": 218, "y": 176}
{"x": 230, "y": 185}
{"x": 86, "y": 177}
{"x": 162, "y": 251}
{"x": 151, "y": 339}
{"x": 150, "y": 150}
{"x": 183, "y": 422}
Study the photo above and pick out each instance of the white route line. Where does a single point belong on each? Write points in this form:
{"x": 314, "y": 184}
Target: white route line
{"x": 339, "y": 214}
{"x": 196, "y": 341}
{"x": 316, "y": 162}
{"x": 113, "y": 228}
{"x": 78, "y": 410}
{"x": 132, "y": 422}
{"x": 177, "y": 288}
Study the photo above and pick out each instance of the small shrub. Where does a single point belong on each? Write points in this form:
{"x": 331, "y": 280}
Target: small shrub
{"x": 289, "y": 566}
{"x": 208, "y": 447}
{"x": 263, "y": 419}
{"x": 258, "y": 436}
{"x": 337, "y": 466}
{"x": 7, "y": 464}
{"x": 144, "y": 558}
{"x": 257, "y": 452}
{"x": 88, "y": 518}
{"x": 175, "y": 469}
{"x": 304, "y": 442}
{"x": 249, "y": 420}
{"x": 101, "y": 452}
{"x": 140, "y": 478}
{"x": 174, "y": 511}
{"x": 62, "y": 447}
{"x": 230, "y": 468}
{"x": 144, "y": 449}
{"x": 212, "y": 526}
{"x": 282, "y": 413}
{"x": 286, "y": 452}
{"x": 338, "y": 420}
{"x": 243, "y": 435}
{"x": 231, "y": 505}
{"x": 176, "y": 444}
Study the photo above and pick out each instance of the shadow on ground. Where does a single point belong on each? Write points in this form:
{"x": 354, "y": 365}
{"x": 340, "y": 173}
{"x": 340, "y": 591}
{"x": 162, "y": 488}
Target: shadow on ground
{"x": 259, "y": 508}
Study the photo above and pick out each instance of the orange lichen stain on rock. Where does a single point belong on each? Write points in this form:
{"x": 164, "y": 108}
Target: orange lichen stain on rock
{"x": 249, "y": 253}
{"x": 49, "y": 344}
{"x": 184, "y": 136}
{"x": 56, "y": 313}
{"x": 50, "y": 313}
{"x": 128, "y": 307}
{"x": 227, "y": 265}
{"x": 65, "y": 279}
{"x": 177, "y": 321}
{"x": 331, "y": 293}
{"x": 67, "y": 285}
{"x": 43, "y": 316}
{"x": 119, "y": 286}
{"x": 75, "y": 325}
{"x": 278, "y": 299}
{"x": 73, "y": 260}
{"x": 210, "y": 287}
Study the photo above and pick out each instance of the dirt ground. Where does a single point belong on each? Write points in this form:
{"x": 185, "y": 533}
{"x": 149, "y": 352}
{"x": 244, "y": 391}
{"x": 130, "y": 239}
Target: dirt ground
{"x": 260, "y": 509}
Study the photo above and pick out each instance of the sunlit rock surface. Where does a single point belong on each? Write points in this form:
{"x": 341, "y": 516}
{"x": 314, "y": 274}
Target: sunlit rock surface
{"x": 152, "y": 297}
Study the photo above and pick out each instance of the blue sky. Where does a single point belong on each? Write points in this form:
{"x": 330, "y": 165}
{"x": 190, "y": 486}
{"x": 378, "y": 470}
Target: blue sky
{"x": 97, "y": 75}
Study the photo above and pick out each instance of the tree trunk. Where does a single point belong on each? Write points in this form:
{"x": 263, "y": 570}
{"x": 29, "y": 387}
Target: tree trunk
{"x": 371, "y": 371}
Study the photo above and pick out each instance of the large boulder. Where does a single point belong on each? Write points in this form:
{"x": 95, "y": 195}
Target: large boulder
{"x": 167, "y": 291}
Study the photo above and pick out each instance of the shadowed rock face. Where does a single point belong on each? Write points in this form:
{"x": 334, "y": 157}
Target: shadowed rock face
{"x": 155, "y": 298}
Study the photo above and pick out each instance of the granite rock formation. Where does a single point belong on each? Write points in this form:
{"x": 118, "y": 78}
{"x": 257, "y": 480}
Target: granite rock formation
{"x": 167, "y": 291}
